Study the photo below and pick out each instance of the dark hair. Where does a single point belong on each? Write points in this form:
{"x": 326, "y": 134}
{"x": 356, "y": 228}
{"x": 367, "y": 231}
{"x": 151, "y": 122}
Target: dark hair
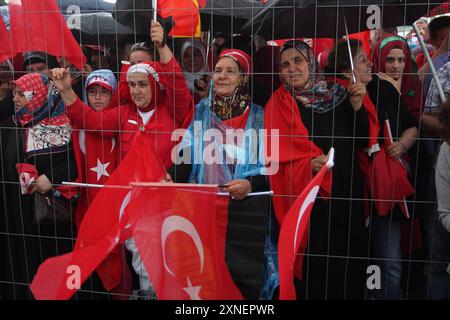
{"x": 438, "y": 24}
{"x": 444, "y": 119}
{"x": 338, "y": 59}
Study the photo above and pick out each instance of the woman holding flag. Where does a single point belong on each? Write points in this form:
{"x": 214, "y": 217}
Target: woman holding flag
{"x": 392, "y": 133}
{"x": 159, "y": 103}
{"x": 312, "y": 116}
{"x": 236, "y": 167}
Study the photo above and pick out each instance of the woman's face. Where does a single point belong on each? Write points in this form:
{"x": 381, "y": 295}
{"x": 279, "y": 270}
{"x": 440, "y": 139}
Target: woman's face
{"x": 140, "y": 89}
{"x": 226, "y": 77}
{"x": 395, "y": 63}
{"x": 294, "y": 69}
{"x": 363, "y": 67}
{"x": 140, "y": 56}
{"x": 98, "y": 97}
{"x": 192, "y": 60}
{"x": 19, "y": 99}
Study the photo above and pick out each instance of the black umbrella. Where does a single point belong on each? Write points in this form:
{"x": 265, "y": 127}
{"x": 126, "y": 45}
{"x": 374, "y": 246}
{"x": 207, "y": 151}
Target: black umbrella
{"x": 326, "y": 19}
{"x": 226, "y": 16}
{"x": 96, "y": 23}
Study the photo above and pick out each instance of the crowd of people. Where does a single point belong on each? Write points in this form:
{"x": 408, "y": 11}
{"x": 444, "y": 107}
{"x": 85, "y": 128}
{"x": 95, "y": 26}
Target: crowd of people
{"x": 373, "y": 107}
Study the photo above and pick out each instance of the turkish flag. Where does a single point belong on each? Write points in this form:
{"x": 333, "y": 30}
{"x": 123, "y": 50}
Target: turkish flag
{"x": 105, "y": 224}
{"x": 185, "y": 14}
{"x": 387, "y": 179}
{"x": 180, "y": 236}
{"x": 294, "y": 230}
{"x": 5, "y": 40}
{"x": 27, "y": 175}
{"x": 38, "y": 25}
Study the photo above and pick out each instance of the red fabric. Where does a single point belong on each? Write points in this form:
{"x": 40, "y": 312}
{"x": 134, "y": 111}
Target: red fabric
{"x": 238, "y": 122}
{"x": 175, "y": 111}
{"x": 90, "y": 150}
{"x": 185, "y": 14}
{"x": 38, "y": 25}
{"x": 180, "y": 236}
{"x": 294, "y": 234}
{"x": 386, "y": 179}
{"x": 27, "y": 175}
{"x": 421, "y": 60}
{"x": 295, "y": 151}
{"x": 5, "y": 40}
{"x": 241, "y": 57}
{"x": 105, "y": 224}
{"x": 411, "y": 87}
{"x": 364, "y": 37}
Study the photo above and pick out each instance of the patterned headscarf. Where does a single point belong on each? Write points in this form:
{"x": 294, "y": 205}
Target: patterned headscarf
{"x": 317, "y": 93}
{"x": 44, "y": 101}
{"x": 234, "y": 105}
{"x": 48, "y": 128}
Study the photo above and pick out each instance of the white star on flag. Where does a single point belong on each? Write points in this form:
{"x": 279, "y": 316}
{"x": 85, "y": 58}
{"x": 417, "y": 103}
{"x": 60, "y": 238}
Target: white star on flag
{"x": 100, "y": 169}
{"x": 192, "y": 291}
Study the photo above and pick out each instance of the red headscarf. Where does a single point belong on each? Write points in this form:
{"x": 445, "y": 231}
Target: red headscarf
{"x": 243, "y": 59}
{"x": 411, "y": 86}
{"x": 44, "y": 101}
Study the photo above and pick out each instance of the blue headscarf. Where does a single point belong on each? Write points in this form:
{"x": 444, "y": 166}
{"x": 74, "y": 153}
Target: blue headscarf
{"x": 232, "y": 161}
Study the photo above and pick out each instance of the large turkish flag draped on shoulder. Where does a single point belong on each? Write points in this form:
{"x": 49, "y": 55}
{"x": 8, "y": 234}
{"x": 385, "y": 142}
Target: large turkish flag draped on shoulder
{"x": 180, "y": 236}
{"x": 105, "y": 224}
{"x": 294, "y": 230}
{"x": 38, "y": 25}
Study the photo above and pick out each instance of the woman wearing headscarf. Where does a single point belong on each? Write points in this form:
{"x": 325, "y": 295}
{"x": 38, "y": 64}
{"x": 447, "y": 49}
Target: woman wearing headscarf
{"x": 193, "y": 64}
{"x": 38, "y": 137}
{"x": 237, "y": 167}
{"x": 312, "y": 116}
{"x": 392, "y": 58}
{"x": 383, "y": 103}
{"x": 159, "y": 103}
{"x": 96, "y": 158}
{"x": 393, "y": 62}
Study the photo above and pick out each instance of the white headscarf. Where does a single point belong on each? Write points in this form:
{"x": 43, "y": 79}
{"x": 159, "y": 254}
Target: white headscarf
{"x": 192, "y": 76}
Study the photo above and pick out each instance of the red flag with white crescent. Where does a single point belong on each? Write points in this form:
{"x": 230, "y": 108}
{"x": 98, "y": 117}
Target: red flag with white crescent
{"x": 180, "y": 236}
{"x": 105, "y": 224}
{"x": 294, "y": 230}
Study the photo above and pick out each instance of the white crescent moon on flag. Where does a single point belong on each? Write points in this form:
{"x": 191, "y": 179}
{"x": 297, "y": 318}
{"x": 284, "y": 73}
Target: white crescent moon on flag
{"x": 308, "y": 200}
{"x": 124, "y": 205}
{"x": 113, "y": 144}
{"x": 178, "y": 223}
{"x": 82, "y": 141}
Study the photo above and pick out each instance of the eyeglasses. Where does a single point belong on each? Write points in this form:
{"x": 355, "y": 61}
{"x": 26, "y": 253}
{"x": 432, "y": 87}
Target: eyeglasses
{"x": 104, "y": 93}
